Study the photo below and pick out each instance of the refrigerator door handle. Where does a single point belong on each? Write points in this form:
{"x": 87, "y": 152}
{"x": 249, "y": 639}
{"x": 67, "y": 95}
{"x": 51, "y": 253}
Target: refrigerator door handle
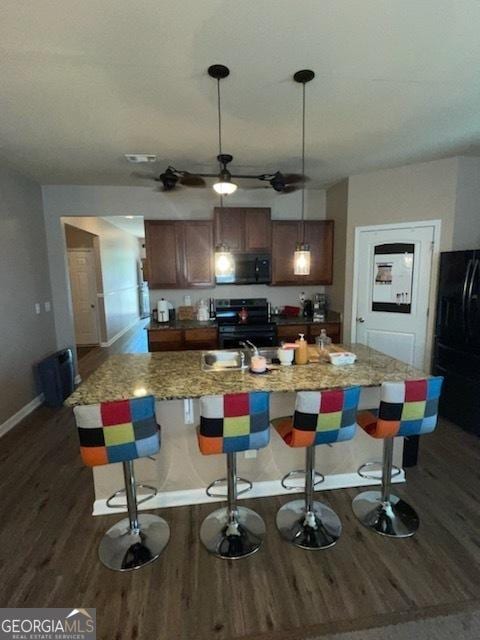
{"x": 469, "y": 297}
{"x": 464, "y": 296}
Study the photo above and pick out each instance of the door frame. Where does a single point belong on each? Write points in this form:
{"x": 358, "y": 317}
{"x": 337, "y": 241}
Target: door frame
{"x": 91, "y": 252}
{"x": 437, "y": 227}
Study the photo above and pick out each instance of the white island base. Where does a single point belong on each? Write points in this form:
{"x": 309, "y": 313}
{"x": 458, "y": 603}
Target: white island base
{"x": 181, "y": 473}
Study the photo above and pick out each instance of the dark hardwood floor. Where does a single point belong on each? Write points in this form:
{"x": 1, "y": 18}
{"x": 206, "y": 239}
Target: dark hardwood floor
{"x": 49, "y": 540}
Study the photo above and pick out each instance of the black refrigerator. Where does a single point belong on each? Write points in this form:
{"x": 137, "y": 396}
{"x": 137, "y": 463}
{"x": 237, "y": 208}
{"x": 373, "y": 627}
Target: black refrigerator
{"x": 457, "y": 337}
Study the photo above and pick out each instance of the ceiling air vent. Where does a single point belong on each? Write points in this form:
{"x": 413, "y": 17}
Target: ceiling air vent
{"x": 139, "y": 158}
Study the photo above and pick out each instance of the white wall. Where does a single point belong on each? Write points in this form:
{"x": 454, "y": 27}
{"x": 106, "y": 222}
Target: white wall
{"x": 25, "y": 337}
{"x": 466, "y": 234}
{"x": 73, "y": 200}
{"x": 119, "y": 253}
{"x": 337, "y": 210}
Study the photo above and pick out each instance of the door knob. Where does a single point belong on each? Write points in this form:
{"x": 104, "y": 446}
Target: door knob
{"x": 360, "y": 319}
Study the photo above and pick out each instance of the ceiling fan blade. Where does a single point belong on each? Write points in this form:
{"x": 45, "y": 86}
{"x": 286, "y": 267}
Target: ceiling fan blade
{"x": 192, "y": 180}
{"x": 294, "y": 178}
{"x": 143, "y": 176}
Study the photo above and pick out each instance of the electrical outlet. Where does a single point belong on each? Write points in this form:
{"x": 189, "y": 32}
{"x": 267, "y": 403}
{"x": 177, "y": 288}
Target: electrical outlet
{"x": 48, "y": 306}
{"x": 38, "y": 308}
{"x": 251, "y": 453}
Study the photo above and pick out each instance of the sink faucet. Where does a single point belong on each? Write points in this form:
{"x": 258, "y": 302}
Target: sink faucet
{"x": 249, "y": 345}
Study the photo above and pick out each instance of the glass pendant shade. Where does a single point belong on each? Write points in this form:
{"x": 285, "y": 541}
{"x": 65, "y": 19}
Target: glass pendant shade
{"x": 224, "y": 264}
{"x": 301, "y": 260}
{"x": 225, "y": 188}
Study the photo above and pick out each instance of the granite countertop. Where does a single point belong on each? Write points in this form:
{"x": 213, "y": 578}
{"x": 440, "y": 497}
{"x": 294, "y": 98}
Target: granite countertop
{"x": 177, "y": 375}
{"x": 332, "y": 316}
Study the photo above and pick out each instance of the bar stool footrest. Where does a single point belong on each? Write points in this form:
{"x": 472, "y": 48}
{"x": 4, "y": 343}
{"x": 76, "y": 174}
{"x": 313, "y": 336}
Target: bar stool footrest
{"x": 122, "y": 492}
{"x": 299, "y": 473}
{"x": 363, "y": 471}
{"x": 223, "y": 482}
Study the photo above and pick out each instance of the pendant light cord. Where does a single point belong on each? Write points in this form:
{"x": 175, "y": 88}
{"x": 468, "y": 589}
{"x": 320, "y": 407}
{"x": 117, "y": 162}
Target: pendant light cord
{"x": 219, "y": 118}
{"x": 303, "y": 162}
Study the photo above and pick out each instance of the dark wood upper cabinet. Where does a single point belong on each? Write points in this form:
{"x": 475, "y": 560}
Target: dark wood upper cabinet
{"x": 319, "y": 235}
{"x": 243, "y": 229}
{"x": 285, "y": 235}
{"x": 161, "y": 248}
{"x": 179, "y": 253}
{"x": 197, "y": 254}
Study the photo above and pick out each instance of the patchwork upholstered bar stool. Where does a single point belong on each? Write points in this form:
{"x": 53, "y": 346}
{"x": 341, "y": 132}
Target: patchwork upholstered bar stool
{"x": 121, "y": 432}
{"x": 320, "y": 418}
{"x": 229, "y": 424}
{"x": 407, "y": 408}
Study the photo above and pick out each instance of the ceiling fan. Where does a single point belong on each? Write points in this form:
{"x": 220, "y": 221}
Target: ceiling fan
{"x": 172, "y": 177}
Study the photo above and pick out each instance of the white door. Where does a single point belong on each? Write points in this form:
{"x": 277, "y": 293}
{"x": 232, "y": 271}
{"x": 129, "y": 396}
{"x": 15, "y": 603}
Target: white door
{"x": 393, "y": 286}
{"x": 81, "y": 264}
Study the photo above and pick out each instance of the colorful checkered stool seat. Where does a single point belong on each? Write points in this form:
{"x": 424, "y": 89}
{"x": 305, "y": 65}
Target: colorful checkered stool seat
{"x": 406, "y": 408}
{"x": 320, "y": 418}
{"x": 229, "y": 424}
{"x": 123, "y": 431}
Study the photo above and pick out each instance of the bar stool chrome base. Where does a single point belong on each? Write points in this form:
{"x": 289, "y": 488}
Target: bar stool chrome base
{"x": 232, "y": 536}
{"x": 394, "y": 518}
{"x": 125, "y": 549}
{"x": 319, "y": 528}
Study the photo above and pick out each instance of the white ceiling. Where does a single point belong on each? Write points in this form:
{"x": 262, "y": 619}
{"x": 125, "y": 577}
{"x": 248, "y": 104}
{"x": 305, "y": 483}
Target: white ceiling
{"x": 85, "y": 81}
{"x": 130, "y": 224}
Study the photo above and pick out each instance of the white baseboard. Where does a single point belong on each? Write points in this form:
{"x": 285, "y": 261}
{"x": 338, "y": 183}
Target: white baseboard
{"x": 119, "y": 334}
{"x": 259, "y": 490}
{"x": 20, "y": 415}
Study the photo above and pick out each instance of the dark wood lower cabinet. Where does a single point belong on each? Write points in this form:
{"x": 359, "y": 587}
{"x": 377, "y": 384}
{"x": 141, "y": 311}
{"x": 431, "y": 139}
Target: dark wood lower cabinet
{"x": 182, "y": 339}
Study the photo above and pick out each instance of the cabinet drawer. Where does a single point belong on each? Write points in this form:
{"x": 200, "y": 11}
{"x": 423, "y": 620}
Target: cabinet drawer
{"x": 165, "y": 340}
{"x": 204, "y": 337}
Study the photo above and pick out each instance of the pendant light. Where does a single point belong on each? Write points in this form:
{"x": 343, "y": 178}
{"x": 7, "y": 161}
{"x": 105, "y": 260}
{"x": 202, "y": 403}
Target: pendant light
{"x": 224, "y": 186}
{"x": 301, "y": 260}
{"x": 224, "y": 262}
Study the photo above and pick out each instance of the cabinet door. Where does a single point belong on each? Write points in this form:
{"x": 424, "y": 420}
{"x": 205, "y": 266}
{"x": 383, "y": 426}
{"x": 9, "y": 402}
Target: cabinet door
{"x": 165, "y": 340}
{"x": 319, "y": 235}
{"x": 162, "y": 254}
{"x": 258, "y": 227}
{"x": 285, "y": 235}
{"x": 197, "y": 253}
{"x": 230, "y": 227}
{"x": 202, "y": 338}
{"x": 289, "y": 332}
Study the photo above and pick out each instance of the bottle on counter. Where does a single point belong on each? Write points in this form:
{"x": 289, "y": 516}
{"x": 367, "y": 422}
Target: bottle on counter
{"x": 301, "y": 352}
{"x": 323, "y": 343}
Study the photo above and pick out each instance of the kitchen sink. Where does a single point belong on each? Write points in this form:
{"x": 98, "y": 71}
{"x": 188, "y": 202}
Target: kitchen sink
{"x": 225, "y": 360}
{"x": 235, "y": 359}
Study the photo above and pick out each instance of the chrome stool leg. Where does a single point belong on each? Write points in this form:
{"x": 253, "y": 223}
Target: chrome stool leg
{"x": 134, "y": 541}
{"x": 382, "y": 511}
{"x": 306, "y": 523}
{"x": 232, "y": 532}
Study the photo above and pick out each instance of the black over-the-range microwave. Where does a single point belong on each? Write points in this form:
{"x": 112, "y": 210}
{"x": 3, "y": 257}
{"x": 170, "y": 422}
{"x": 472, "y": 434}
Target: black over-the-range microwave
{"x": 250, "y": 268}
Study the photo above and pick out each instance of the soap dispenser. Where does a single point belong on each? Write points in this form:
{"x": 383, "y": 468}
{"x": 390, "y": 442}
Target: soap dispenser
{"x": 301, "y": 352}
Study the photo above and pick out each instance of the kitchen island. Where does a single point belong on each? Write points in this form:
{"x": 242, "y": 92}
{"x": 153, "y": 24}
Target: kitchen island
{"x": 177, "y": 380}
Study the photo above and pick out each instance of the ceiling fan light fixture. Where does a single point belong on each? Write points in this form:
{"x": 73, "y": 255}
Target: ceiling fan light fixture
{"x": 225, "y": 187}
{"x": 301, "y": 260}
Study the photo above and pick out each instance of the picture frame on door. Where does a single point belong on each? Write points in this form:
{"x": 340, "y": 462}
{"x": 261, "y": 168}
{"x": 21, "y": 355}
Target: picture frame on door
{"x": 392, "y": 277}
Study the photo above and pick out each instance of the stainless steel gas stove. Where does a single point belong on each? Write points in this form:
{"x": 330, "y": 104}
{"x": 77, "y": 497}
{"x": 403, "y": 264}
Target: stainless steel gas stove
{"x": 241, "y": 319}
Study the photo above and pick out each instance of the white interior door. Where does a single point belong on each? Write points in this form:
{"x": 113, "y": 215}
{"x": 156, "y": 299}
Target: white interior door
{"x": 393, "y": 287}
{"x": 81, "y": 264}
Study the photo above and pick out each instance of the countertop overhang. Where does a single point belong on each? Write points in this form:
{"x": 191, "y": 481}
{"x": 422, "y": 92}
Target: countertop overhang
{"x": 176, "y": 375}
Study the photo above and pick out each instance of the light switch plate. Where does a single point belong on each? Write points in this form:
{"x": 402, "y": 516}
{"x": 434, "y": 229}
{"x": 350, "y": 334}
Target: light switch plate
{"x": 48, "y": 306}
{"x": 38, "y": 308}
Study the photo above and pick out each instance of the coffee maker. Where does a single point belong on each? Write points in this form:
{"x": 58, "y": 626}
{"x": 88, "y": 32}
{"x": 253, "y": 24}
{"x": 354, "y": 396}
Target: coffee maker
{"x": 319, "y": 307}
